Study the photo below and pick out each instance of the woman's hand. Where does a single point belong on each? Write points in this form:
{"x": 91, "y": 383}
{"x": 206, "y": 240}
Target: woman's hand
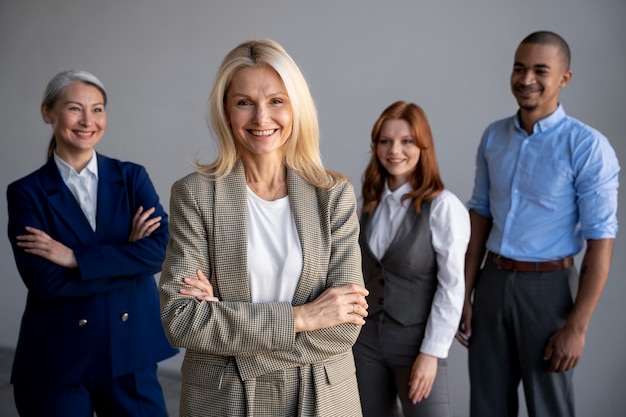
{"x": 39, "y": 243}
{"x": 336, "y": 305}
{"x": 423, "y": 375}
{"x": 143, "y": 226}
{"x": 201, "y": 287}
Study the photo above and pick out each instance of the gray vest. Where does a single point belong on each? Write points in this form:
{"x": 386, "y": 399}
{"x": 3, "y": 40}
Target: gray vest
{"x": 404, "y": 281}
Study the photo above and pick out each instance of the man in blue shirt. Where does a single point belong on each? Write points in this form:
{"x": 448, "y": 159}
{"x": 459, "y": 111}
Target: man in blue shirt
{"x": 546, "y": 185}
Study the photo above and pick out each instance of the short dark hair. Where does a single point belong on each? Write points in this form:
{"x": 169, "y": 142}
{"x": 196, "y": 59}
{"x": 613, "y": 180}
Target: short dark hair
{"x": 545, "y": 37}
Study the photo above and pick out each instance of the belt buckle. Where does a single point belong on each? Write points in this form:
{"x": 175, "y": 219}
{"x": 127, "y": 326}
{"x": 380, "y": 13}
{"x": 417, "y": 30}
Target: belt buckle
{"x": 497, "y": 261}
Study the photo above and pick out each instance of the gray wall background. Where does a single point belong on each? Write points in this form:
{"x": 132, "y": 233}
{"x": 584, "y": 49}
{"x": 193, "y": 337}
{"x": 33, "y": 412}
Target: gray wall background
{"x": 158, "y": 59}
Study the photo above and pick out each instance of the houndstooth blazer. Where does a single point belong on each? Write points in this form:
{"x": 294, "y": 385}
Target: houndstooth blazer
{"x": 238, "y": 352}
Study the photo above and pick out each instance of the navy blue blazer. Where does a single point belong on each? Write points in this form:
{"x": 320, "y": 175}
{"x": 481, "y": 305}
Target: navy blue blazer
{"x": 101, "y": 319}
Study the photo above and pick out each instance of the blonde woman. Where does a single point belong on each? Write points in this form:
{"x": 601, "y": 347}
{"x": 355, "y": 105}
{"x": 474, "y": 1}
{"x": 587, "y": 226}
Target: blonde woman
{"x": 262, "y": 279}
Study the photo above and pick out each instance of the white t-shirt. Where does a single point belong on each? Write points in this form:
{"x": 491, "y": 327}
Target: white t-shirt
{"x": 274, "y": 251}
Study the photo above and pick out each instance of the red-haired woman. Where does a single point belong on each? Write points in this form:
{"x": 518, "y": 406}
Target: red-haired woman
{"x": 414, "y": 235}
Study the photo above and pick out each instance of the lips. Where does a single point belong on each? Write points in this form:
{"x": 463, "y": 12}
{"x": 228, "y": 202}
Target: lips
{"x": 525, "y": 91}
{"x": 83, "y": 135}
{"x": 262, "y": 133}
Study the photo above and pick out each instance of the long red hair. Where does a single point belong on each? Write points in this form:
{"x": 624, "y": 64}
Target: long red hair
{"x": 425, "y": 180}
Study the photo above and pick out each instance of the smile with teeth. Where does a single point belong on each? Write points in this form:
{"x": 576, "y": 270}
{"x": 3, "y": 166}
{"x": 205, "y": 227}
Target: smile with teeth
{"x": 82, "y": 134}
{"x": 262, "y": 132}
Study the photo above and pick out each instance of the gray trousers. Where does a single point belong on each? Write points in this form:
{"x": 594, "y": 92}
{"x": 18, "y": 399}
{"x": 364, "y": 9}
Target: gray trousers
{"x": 514, "y": 315}
{"x": 384, "y": 355}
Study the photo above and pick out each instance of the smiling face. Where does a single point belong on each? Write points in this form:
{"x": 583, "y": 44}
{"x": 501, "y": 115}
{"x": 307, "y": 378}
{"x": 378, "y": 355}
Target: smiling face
{"x": 397, "y": 151}
{"x": 78, "y": 121}
{"x": 539, "y": 73}
{"x": 258, "y": 111}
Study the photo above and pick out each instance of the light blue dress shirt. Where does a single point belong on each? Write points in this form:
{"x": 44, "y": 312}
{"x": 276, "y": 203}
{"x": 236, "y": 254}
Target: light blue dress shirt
{"x": 546, "y": 192}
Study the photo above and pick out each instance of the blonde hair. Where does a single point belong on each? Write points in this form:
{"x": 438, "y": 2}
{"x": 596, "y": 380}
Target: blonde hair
{"x": 302, "y": 152}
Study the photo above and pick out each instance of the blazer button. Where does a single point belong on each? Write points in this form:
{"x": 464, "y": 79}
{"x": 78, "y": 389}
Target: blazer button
{"x": 381, "y": 281}
{"x": 124, "y": 317}
{"x": 82, "y": 322}
{"x": 382, "y": 301}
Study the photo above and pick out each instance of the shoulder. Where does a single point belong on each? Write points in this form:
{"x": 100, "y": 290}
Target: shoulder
{"x": 582, "y": 132}
{"x": 500, "y": 125}
{"x": 447, "y": 201}
{"x": 341, "y": 190}
{"x": 196, "y": 179}
{"x": 107, "y": 164}
{"x": 34, "y": 179}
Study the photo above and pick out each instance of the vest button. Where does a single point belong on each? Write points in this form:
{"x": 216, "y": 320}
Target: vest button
{"x": 82, "y": 322}
{"x": 124, "y": 317}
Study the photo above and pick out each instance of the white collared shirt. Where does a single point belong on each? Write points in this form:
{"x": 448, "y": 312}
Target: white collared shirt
{"x": 387, "y": 218}
{"x": 450, "y": 231}
{"x": 83, "y": 185}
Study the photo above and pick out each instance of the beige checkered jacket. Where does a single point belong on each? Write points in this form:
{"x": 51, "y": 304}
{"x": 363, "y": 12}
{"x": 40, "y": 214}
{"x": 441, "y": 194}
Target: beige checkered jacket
{"x": 239, "y": 353}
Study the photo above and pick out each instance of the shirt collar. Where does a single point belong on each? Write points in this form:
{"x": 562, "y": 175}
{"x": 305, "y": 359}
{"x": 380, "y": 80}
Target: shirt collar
{"x": 396, "y": 196}
{"x": 545, "y": 123}
{"x": 67, "y": 170}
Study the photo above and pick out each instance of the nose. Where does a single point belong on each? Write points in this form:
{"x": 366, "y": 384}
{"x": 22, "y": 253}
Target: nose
{"x": 261, "y": 115}
{"x": 395, "y": 147}
{"x": 527, "y": 78}
{"x": 86, "y": 118}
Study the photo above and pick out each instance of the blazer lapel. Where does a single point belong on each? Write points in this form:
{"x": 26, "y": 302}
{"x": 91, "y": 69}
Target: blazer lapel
{"x": 230, "y": 236}
{"x": 304, "y": 205}
{"x": 110, "y": 196}
{"x": 63, "y": 203}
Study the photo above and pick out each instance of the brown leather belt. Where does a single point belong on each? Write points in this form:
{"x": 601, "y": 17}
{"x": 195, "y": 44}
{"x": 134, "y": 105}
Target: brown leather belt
{"x": 519, "y": 266}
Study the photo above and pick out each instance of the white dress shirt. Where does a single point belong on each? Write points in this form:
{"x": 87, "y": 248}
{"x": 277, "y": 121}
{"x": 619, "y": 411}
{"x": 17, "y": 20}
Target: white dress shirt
{"x": 83, "y": 185}
{"x": 450, "y": 230}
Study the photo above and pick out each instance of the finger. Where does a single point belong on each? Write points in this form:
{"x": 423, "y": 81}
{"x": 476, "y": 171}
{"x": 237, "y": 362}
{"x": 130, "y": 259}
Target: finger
{"x": 146, "y": 215}
{"x": 201, "y": 276}
{"x": 547, "y": 354}
{"x": 151, "y": 229}
{"x": 416, "y": 393}
{"x": 35, "y": 231}
{"x": 462, "y": 338}
{"x": 146, "y": 228}
{"x": 138, "y": 213}
{"x": 352, "y": 289}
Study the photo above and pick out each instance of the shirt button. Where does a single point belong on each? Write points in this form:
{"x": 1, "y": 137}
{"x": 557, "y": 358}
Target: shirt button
{"x": 82, "y": 322}
{"x": 124, "y": 317}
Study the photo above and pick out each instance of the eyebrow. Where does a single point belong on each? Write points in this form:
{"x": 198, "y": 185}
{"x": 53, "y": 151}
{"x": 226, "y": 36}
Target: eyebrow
{"x": 519, "y": 64}
{"x": 81, "y": 104}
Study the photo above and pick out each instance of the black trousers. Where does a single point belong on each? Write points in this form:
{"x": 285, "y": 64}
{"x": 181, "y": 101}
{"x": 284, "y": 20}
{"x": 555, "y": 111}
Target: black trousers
{"x": 514, "y": 315}
{"x": 384, "y": 355}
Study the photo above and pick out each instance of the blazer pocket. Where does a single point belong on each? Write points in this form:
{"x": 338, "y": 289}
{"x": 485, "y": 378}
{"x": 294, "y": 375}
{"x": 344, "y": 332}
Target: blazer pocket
{"x": 340, "y": 369}
{"x": 208, "y": 372}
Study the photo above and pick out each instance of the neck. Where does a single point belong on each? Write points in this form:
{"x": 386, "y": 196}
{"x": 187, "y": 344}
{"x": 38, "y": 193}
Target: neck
{"x": 265, "y": 179}
{"x": 394, "y": 183}
{"x": 528, "y": 118}
{"x": 78, "y": 162}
